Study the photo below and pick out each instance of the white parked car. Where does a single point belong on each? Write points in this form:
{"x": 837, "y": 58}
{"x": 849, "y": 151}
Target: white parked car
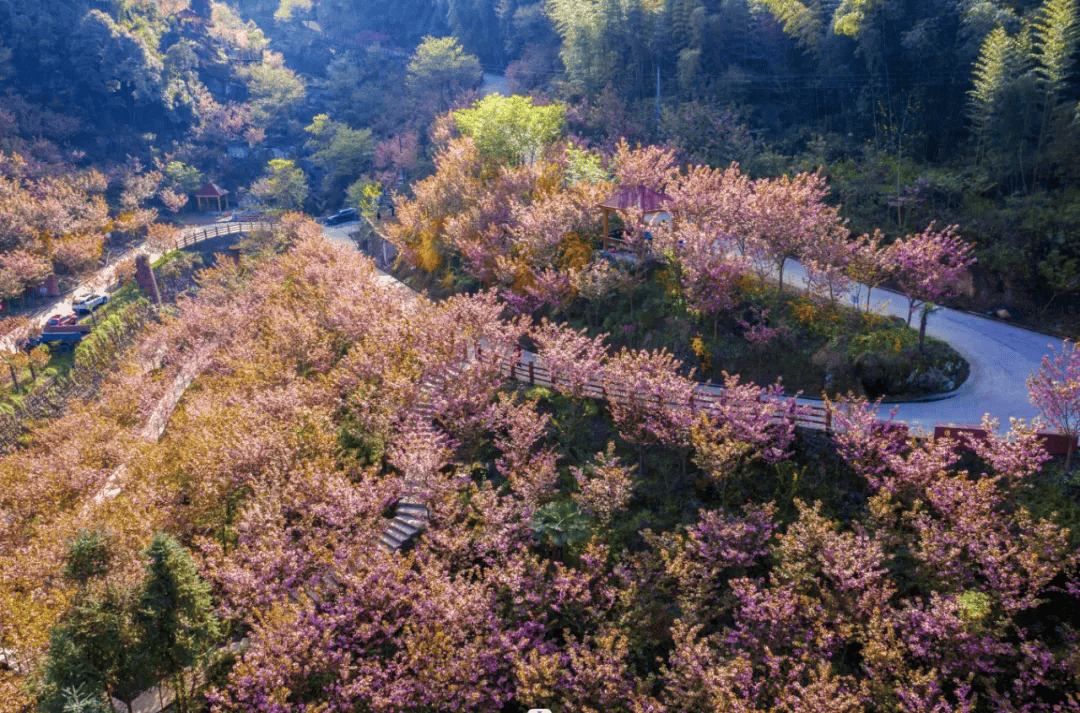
{"x": 88, "y": 304}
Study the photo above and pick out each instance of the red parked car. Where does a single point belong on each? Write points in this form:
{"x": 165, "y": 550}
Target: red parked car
{"x": 62, "y": 320}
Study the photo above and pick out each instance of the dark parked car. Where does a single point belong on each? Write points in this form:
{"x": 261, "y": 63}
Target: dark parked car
{"x": 343, "y": 216}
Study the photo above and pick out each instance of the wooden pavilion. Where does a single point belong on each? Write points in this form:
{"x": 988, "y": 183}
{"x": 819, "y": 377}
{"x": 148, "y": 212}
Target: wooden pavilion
{"x": 649, "y": 202}
{"x": 210, "y": 192}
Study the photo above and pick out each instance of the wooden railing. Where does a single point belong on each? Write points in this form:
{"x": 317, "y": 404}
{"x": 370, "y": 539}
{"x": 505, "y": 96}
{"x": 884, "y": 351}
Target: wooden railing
{"x": 220, "y": 229}
{"x": 706, "y": 397}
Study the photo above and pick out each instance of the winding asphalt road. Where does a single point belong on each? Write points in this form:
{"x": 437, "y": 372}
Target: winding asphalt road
{"x": 1001, "y": 357}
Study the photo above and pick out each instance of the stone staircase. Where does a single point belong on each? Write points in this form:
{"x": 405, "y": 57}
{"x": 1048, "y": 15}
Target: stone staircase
{"x": 409, "y": 519}
{"x": 410, "y": 513}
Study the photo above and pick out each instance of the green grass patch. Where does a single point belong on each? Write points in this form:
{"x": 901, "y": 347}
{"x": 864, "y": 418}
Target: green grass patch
{"x": 814, "y": 347}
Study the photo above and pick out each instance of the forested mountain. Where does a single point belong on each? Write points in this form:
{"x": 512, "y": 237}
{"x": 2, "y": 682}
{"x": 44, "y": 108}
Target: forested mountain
{"x": 965, "y": 112}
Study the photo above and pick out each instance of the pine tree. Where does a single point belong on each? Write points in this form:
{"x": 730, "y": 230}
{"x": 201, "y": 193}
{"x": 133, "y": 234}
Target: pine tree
{"x": 175, "y": 614}
{"x": 93, "y": 654}
{"x": 806, "y": 23}
{"x": 1055, "y": 32}
{"x": 991, "y": 75}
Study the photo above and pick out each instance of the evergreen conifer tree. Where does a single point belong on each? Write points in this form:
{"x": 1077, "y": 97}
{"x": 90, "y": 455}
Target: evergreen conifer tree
{"x": 175, "y": 614}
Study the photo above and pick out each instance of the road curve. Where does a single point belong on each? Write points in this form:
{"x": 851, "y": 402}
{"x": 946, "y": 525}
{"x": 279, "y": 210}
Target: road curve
{"x": 1001, "y": 356}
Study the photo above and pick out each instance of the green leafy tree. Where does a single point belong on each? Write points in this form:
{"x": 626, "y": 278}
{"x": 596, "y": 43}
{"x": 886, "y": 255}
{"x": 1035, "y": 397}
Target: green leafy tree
{"x": 185, "y": 178}
{"x": 589, "y": 49}
{"x": 560, "y": 525}
{"x": 990, "y": 79}
{"x": 175, "y": 614}
{"x": 275, "y": 90}
{"x": 1018, "y": 83}
{"x": 852, "y": 16}
{"x": 95, "y": 648}
{"x": 1002, "y": 100}
{"x": 108, "y": 59}
{"x": 510, "y": 130}
{"x": 76, "y": 700}
{"x": 284, "y": 185}
{"x": 804, "y": 22}
{"x": 364, "y": 88}
{"x": 583, "y": 166}
{"x": 364, "y": 195}
{"x": 476, "y": 24}
{"x": 340, "y": 151}
{"x": 439, "y": 70}
{"x": 617, "y": 42}
{"x": 1061, "y": 272}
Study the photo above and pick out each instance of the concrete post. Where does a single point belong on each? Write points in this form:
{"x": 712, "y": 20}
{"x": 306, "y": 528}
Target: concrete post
{"x": 144, "y": 275}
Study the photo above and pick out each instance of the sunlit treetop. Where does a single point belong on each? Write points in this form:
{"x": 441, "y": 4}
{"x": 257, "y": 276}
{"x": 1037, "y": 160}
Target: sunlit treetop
{"x": 510, "y": 129}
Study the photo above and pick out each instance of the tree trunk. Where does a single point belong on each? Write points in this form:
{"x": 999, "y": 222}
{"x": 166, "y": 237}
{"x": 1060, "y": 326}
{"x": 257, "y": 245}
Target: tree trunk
{"x": 922, "y": 328}
{"x": 180, "y": 693}
{"x": 14, "y": 376}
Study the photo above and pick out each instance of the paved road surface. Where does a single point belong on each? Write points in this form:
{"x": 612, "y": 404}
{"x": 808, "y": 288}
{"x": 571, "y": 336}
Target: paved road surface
{"x": 1001, "y": 356}
{"x": 494, "y": 84}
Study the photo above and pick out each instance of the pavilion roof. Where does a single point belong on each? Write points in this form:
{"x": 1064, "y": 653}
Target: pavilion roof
{"x": 211, "y": 190}
{"x": 639, "y": 197}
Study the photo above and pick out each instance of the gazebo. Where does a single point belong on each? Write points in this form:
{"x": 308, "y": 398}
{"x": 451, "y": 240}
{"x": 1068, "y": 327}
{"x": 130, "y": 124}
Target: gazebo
{"x": 211, "y": 191}
{"x": 649, "y": 202}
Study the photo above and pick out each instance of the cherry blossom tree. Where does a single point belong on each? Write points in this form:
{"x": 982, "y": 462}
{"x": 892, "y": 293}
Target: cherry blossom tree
{"x": 930, "y": 267}
{"x": 1055, "y": 390}
{"x": 78, "y": 253}
{"x": 14, "y": 360}
{"x": 708, "y": 274}
{"x": 605, "y": 484}
{"x": 397, "y": 156}
{"x": 746, "y": 424}
{"x": 38, "y": 357}
{"x": 574, "y": 359}
{"x": 650, "y": 166}
{"x": 649, "y": 400}
{"x": 868, "y": 262}
{"x": 20, "y": 269}
{"x": 173, "y": 200}
{"x": 517, "y": 430}
{"x": 826, "y": 262}
{"x": 714, "y": 200}
{"x": 928, "y": 584}
{"x": 789, "y": 216}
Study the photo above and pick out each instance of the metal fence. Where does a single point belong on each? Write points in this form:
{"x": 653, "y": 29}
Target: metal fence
{"x": 705, "y": 398}
{"x": 220, "y": 229}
